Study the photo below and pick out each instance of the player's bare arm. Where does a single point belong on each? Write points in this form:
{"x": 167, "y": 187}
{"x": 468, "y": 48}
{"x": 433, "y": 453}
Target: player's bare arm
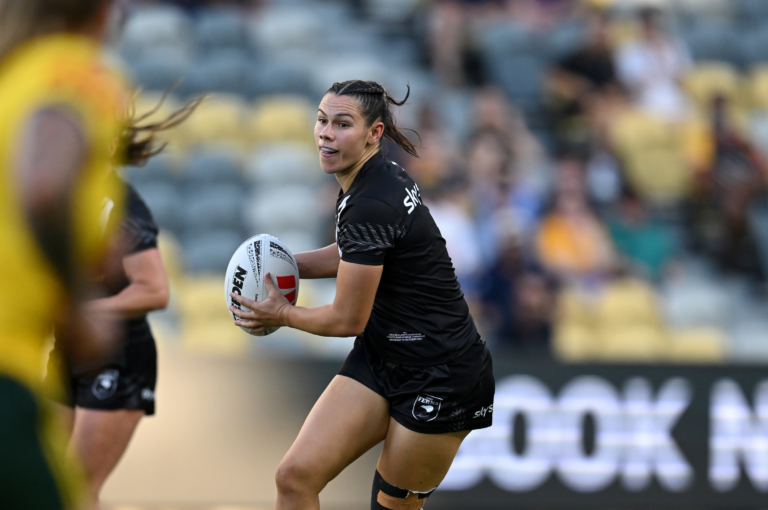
{"x": 148, "y": 289}
{"x": 346, "y": 316}
{"x": 322, "y": 263}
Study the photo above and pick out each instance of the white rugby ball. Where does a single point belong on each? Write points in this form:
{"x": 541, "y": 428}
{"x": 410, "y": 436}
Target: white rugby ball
{"x": 255, "y": 258}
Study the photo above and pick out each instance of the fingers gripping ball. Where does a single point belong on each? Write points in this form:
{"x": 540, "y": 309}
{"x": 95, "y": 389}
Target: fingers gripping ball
{"x": 247, "y": 271}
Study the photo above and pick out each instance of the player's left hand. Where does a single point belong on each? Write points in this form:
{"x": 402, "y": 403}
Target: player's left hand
{"x": 264, "y": 314}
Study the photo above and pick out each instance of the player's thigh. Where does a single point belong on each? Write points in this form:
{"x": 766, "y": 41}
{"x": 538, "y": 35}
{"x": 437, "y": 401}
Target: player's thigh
{"x": 347, "y": 420}
{"x": 101, "y": 437}
{"x": 417, "y": 462}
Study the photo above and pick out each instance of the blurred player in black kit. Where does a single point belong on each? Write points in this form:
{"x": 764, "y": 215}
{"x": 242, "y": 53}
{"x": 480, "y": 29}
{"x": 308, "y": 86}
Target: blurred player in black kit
{"x": 419, "y": 376}
{"x": 109, "y": 398}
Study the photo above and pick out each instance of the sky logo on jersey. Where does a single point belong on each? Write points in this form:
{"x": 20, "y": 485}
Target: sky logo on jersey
{"x": 426, "y": 407}
{"x": 413, "y": 199}
{"x": 285, "y": 283}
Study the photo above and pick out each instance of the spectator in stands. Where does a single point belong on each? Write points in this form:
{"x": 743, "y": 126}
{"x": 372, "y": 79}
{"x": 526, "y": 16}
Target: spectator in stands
{"x": 571, "y": 242}
{"x": 580, "y": 79}
{"x": 648, "y": 245}
{"x": 452, "y": 26}
{"x": 652, "y": 66}
{"x": 492, "y": 112}
{"x": 724, "y": 195}
{"x": 517, "y": 296}
{"x": 450, "y": 206}
{"x": 438, "y": 155}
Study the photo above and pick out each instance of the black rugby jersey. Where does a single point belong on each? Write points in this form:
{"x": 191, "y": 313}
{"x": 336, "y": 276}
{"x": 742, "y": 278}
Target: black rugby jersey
{"x": 419, "y": 315}
{"x": 138, "y": 232}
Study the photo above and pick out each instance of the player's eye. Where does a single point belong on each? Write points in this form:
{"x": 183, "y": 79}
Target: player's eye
{"x": 343, "y": 124}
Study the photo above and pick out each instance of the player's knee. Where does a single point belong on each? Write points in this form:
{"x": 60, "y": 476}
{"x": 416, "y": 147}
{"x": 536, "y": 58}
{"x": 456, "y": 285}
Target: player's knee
{"x": 293, "y": 478}
{"x": 385, "y": 496}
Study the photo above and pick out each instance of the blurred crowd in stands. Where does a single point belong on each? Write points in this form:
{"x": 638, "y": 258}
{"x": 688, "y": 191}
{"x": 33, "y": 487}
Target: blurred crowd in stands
{"x": 597, "y": 167}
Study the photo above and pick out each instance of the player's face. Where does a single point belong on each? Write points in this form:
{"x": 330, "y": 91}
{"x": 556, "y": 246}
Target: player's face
{"x": 341, "y": 133}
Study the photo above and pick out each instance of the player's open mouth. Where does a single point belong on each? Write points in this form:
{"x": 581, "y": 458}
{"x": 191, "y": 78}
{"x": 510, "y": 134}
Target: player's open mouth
{"x": 325, "y": 151}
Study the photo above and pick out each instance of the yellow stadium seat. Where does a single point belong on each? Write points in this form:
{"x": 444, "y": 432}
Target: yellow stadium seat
{"x": 711, "y": 79}
{"x": 573, "y": 308}
{"x": 206, "y": 325}
{"x": 218, "y": 120}
{"x": 574, "y": 343}
{"x": 654, "y": 155}
{"x": 633, "y": 344}
{"x": 757, "y": 87}
{"x": 282, "y": 118}
{"x": 170, "y": 252}
{"x": 628, "y": 302}
{"x": 700, "y": 345}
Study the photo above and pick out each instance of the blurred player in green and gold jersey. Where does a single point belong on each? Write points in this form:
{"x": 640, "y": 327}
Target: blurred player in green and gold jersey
{"x": 60, "y": 114}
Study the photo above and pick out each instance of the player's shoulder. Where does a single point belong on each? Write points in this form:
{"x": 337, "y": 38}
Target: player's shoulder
{"x": 136, "y": 209}
{"x": 389, "y": 185}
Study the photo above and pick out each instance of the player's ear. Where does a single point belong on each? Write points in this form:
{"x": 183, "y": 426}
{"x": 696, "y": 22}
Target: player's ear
{"x": 375, "y": 133}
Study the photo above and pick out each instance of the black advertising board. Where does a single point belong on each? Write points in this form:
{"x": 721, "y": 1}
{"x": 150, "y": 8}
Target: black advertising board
{"x": 617, "y": 436}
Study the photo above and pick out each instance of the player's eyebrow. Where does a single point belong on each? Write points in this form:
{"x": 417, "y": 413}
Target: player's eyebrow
{"x": 338, "y": 114}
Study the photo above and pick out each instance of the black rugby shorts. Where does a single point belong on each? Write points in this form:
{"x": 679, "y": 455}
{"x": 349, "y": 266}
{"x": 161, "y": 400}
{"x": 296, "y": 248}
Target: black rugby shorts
{"x": 126, "y": 381}
{"x": 451, "y": 397}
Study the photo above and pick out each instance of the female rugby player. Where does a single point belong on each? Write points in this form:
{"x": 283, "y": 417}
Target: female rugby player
{"x": 110, "y": 397}
{"x": 419, "y": 376}
{"x": 60, "y": 111}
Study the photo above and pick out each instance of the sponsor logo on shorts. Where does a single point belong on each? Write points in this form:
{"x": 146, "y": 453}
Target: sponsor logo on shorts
{"x": 105, "y": 384}
{"x": 426, "y": 407}
{"x": 148, "y": 394}
{"x": 484, "y": 411}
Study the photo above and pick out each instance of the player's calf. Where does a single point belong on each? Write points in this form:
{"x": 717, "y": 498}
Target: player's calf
{"x": 385, "y": 496}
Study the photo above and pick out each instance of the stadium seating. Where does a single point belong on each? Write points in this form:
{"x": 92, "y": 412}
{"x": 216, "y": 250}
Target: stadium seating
{"x": 211, "y": 208}
{"x": 164, "y": 200}
{"x": 151, "y": 27}
{"x": 653, "y": 155}
{"x": 227, "y": 70}
{"x": 210, "y": 251}
{"x": 211, "y": 166}
{"x": 219, "y": 120}
{"x": 220, "y": 28}
{"x": 712, "y": 79}
{"x": 206, "y": 325}
{"x": 283, "y": 163}
{"x": 714, "y": 40}
{"x": 282, "y": 118}
{"x": 757, "y": 87}
{"x": 281, "y": 208}
{"x": 162, "y": 69}
{"x": 697, "y": 345}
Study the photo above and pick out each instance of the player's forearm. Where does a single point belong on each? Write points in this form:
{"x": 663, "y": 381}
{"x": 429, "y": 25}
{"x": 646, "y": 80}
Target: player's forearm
{"x": 322, "y": 263}
{"x": 137, "y": 299}
{"x": 325, "y": 320}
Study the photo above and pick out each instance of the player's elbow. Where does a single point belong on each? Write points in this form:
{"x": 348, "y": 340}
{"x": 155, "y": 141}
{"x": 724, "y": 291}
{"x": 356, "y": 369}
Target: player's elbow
{"x": 352, "y": 326}
{"x": 158, "y": 295}
{"x": 162, "y": 297}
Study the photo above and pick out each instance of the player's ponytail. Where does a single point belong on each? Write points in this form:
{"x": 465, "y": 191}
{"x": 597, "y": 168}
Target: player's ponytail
{"x": 139, "y": 142}
{"x": 21, "y": 20}
{"x": 375, "y": 104}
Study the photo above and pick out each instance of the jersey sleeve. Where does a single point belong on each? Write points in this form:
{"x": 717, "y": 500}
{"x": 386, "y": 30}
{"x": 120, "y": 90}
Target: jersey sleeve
{"x": 368, "y": 228}
{"x": 138, "y": 227}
